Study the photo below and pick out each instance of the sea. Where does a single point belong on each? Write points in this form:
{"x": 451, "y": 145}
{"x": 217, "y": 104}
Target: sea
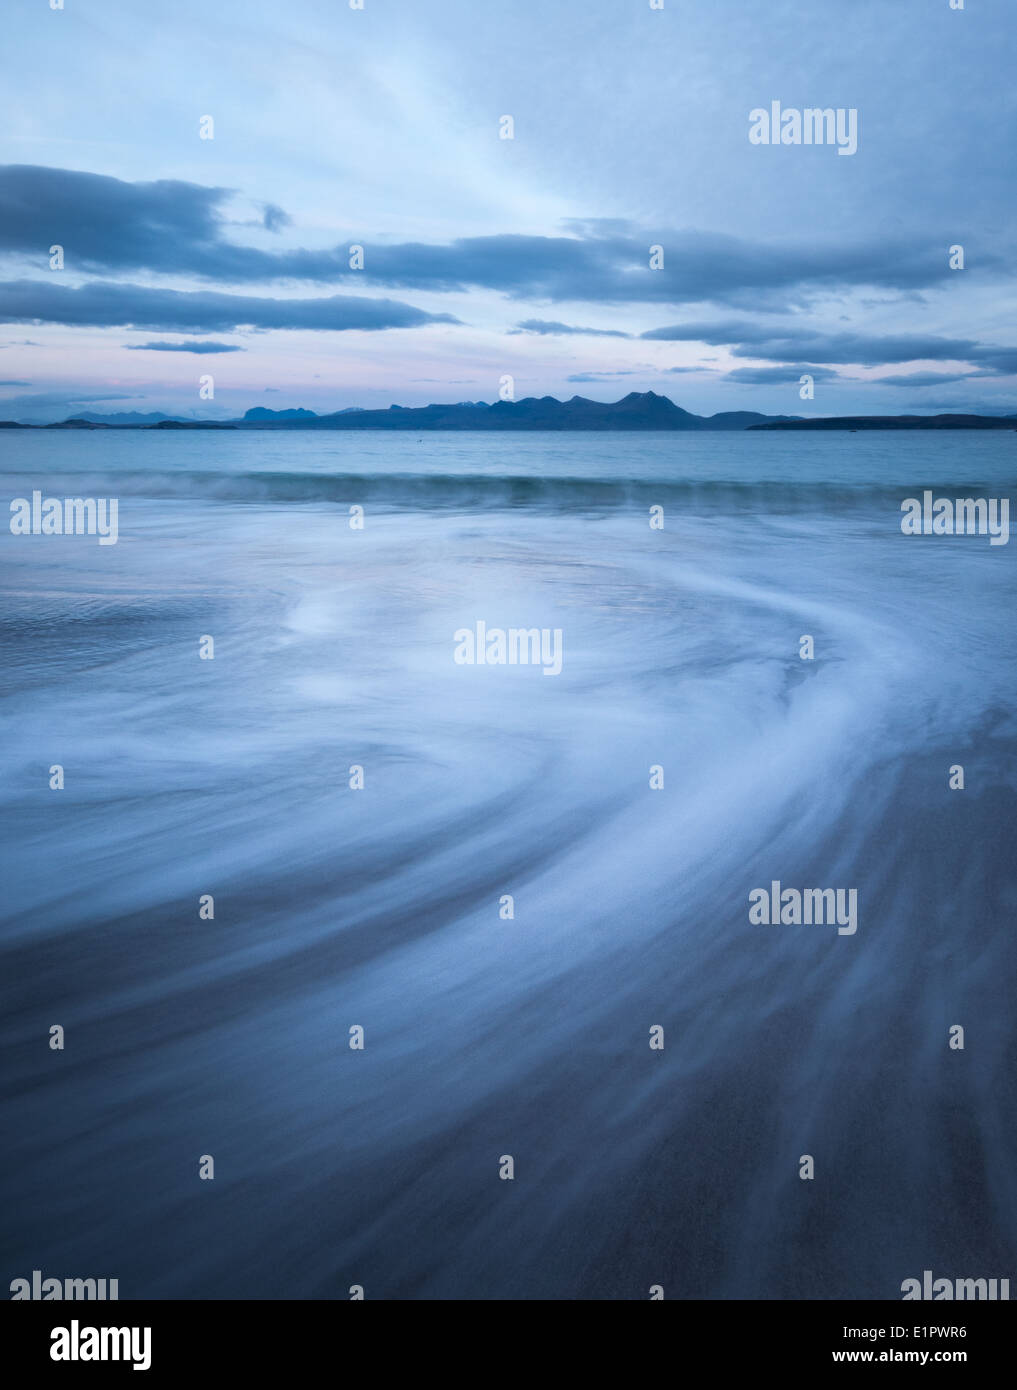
{"x": 449, "y": 967}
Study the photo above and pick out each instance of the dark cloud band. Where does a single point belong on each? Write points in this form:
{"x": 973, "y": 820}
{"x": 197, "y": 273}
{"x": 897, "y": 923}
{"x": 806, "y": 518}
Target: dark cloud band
{"x": 106, "y": 305}
{"x": 108, "y": 226}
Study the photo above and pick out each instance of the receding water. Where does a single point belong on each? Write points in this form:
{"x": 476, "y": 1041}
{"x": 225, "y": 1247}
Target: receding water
{"x": 380, "y": 907}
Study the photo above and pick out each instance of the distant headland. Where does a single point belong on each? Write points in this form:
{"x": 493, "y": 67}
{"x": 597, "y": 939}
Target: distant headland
{"x": 640, "y": 410}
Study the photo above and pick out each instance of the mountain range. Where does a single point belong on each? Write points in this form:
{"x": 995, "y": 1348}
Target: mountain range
{"x": 637, "y": 411}
{"x": 640, "y": 410}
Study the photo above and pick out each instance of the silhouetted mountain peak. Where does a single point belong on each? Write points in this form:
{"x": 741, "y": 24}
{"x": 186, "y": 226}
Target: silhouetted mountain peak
{"x": 639, "y": 410}
{"x": 261, "y": 412}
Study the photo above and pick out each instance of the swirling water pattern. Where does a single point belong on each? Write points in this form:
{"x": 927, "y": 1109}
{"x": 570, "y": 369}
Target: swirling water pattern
{"x": 379, "y": 907}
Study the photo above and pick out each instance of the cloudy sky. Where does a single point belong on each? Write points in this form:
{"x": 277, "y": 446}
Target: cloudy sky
{"x": 485, "y": 256}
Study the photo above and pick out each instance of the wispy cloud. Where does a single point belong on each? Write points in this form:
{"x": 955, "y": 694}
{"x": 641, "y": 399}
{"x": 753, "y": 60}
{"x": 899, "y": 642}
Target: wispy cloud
{"x": 792, "y": 344}
{"x": 548, "y": 327}
{"x": 61, "y": 398}
{"x": 921, "y": 379}
{"x": 599, "y": 376}
{"x": 780, "y": 376}
{"x": 193, "y": 345}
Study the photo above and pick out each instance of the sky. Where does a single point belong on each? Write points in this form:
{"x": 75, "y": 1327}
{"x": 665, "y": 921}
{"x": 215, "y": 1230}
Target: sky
{"x": 487, "y": 257}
